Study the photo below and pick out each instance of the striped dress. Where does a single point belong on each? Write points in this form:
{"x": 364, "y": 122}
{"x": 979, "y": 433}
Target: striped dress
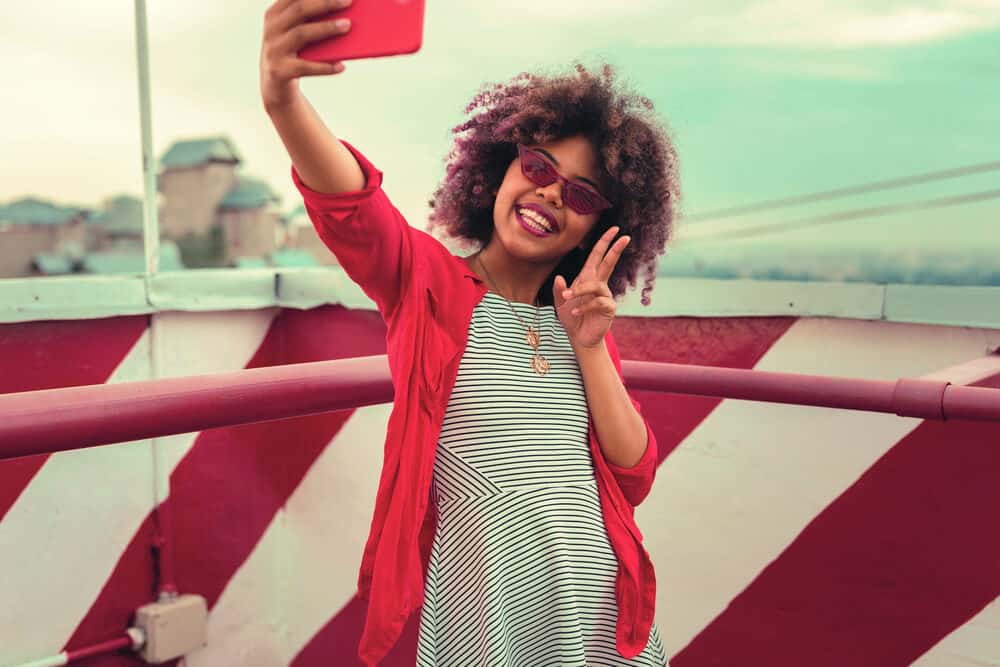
{"x": 521, "y": 571}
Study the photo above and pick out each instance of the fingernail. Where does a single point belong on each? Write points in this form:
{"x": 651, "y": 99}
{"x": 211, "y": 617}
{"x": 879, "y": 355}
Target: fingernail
{"x": 342, "y": 24}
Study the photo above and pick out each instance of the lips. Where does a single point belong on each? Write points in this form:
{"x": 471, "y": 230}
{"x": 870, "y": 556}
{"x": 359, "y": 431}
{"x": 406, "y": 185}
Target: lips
{"x": 534, "y": 226}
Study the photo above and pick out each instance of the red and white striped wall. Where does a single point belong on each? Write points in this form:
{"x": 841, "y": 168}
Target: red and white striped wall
{"x": 782, "y": 536}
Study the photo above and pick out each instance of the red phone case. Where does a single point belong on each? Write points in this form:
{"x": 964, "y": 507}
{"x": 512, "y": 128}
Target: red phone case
{"x": 378, "y": 28}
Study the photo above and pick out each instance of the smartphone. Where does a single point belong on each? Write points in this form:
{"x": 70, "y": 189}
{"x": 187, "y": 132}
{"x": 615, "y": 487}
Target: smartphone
{"x": 378, "y": 28}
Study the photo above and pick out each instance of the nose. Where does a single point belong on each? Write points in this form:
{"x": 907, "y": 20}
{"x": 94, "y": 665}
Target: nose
{"x": 551, "y": 192}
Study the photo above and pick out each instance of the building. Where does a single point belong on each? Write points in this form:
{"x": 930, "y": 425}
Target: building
{"x": 214, "y": 213}
{"x": 39, "y": 238}
{"x": 118, "y": 224}
{"x": 210, "y": 215}
{"x": 250, "y": 221}
{"x": 195, "y": 175}
{"x": 32, "y": 226}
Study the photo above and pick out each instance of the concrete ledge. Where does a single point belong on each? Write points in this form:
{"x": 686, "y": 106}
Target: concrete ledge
{"x": 308, "y": 288}
{"x": 72, "y": 298}
{"x": 87, "y": 297}
{"x": 212, "y": 289}
{"x": 974, "y": 306}
{"x": 700, "y": 297}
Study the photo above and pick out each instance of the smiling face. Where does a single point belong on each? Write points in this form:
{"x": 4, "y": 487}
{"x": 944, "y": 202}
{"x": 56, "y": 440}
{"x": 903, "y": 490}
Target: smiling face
{"x": 532, "y": 222}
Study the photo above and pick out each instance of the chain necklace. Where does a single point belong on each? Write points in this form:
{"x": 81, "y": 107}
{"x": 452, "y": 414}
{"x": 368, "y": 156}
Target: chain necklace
{"x": 538, "y": 363}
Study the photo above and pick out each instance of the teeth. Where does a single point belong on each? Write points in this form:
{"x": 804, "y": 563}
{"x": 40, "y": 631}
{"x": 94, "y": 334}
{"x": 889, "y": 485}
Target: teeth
{"x": 535, "y": 220}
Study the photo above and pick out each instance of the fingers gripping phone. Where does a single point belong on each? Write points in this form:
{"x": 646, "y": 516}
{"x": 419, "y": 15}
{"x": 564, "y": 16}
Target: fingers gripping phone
{"x": 378, "y": 28}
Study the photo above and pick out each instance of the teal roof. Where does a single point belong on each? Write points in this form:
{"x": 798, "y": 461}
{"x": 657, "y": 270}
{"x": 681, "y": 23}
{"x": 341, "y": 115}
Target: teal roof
{"x": 40, "y": 212}
{"x": 251, "y": 263}
{"x": 195, "y": 152}
{"x": 248, "y": 193}
{"x": 289, "y": 258}
{"x": 131, "y": 261}
{"x": 122, "y": 215}
{"x": 53, "y": 265}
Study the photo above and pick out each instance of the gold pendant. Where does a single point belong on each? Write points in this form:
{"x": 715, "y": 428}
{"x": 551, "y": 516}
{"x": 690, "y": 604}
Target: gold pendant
{"x": 540, "y": 364}
{"x": 532, "y": 338}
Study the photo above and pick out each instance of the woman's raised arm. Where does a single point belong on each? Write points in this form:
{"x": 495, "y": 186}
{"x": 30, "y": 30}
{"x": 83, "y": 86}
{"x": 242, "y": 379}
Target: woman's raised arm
{"x": 341, "y": 189}
{"x": 322, "y": 162}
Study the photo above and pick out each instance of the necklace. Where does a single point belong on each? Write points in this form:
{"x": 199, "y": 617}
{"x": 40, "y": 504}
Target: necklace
{"x": 538, "y": 363}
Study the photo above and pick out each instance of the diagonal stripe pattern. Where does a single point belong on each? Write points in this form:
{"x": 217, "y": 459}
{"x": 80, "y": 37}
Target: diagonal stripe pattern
{"x": 781, "y": 535}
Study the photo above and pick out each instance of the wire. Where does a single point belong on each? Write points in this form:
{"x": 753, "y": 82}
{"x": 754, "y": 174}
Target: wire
{"x": 745, "y": 232}
{"x": 844, "y": 192}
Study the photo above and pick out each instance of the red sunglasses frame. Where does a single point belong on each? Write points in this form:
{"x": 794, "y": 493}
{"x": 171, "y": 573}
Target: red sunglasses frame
{"x": 569, "y": 187}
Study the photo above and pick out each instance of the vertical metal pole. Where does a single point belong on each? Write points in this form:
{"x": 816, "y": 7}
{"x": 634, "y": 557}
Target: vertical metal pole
{"x": 151, "y": 222}
{"x": 163, "y": 539}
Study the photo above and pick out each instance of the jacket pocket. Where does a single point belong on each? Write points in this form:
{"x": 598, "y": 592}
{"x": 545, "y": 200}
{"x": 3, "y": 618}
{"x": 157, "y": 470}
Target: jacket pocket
{"x": 438, "y": 349}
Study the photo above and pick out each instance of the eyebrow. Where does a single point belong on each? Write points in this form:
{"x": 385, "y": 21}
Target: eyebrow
{"x": 556, "y": 162}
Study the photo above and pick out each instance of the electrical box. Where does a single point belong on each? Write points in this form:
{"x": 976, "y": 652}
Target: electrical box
{"x": 173, "y": 628}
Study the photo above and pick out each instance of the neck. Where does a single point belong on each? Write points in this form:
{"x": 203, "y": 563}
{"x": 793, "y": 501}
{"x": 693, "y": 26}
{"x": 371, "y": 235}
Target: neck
{"x": 514, "y": 279}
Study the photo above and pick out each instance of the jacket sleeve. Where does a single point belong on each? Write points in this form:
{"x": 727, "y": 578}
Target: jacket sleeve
{"x": 635, "y": 482}
{"x": 369, "y": 237}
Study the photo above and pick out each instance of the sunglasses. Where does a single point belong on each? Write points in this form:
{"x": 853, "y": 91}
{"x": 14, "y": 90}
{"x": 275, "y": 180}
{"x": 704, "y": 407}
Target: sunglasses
{"x": 581, "y": 198}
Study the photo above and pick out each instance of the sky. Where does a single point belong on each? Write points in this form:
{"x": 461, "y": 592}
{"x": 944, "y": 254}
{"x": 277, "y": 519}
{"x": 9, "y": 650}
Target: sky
{"x": 764, "y": 99}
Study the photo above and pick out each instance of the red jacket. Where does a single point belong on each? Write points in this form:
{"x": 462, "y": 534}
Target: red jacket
{"x": 426, "y": 296}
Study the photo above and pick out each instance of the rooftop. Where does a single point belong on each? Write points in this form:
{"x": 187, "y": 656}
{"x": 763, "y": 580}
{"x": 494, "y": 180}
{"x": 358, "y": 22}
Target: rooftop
{"x": 195, "y": 152}
{"x": 248, "y": 193}
{"x": 32, "y": 210}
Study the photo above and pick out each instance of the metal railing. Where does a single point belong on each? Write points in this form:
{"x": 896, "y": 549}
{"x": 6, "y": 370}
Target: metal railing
{"x": 53, "y": 420}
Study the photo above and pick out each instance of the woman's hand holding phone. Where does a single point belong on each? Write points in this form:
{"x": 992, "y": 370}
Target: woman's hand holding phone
{"x": 289, "y": 25}
{"x": 322, "y": 161}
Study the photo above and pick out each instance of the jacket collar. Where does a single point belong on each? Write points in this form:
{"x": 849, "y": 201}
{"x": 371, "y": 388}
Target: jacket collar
{"x": 469, "y": 273}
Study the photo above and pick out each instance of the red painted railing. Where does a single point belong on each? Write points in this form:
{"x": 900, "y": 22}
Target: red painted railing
{"x": 55, "y": 420}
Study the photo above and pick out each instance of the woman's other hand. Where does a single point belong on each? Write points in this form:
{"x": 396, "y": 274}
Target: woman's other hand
{"x": 587, "y": 308}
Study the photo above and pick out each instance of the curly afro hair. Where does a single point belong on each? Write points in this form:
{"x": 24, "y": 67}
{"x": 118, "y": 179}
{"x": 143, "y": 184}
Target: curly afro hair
{"x": 638, "y": 157}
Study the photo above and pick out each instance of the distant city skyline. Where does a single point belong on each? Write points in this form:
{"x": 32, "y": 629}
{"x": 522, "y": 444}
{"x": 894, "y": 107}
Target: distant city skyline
{"x": 764, "y": 100}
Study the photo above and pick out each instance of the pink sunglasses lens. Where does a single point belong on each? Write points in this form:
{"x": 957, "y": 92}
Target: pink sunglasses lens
{"x": 538, "y": 170}
{"x": 580, "y": 198}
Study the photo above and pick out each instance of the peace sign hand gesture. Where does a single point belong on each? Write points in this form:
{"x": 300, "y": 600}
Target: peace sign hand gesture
{"x": 587, "y": 308}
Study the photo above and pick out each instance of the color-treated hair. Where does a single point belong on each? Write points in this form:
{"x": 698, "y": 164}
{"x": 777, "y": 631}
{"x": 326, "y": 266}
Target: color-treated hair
{"x": 640, "y": 173}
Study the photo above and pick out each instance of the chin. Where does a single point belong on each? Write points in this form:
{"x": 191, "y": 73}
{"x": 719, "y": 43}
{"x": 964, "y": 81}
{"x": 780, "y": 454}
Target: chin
{"x": 519, "y": 246}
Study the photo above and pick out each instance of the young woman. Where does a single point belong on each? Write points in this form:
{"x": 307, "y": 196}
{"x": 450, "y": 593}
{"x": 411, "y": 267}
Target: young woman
{"x": 514, "y": 457}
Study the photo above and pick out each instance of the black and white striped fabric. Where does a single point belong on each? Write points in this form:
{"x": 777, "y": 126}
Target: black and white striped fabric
{"x": 521, "y": 573}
